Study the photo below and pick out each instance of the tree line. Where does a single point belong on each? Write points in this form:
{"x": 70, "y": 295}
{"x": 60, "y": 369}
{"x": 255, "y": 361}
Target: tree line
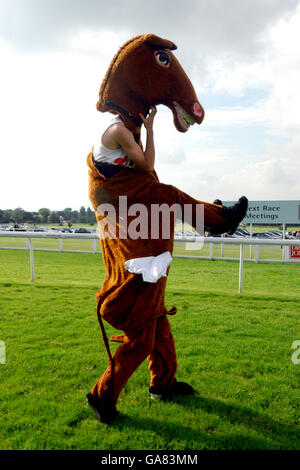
{"x": 47, "y": 216}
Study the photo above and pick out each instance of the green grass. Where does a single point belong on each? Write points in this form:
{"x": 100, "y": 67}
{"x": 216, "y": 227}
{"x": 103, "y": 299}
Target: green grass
{"x": 235, "y": 349}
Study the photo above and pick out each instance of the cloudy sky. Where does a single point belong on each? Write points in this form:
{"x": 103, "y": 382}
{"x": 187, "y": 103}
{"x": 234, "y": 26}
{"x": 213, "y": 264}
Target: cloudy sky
{"x": 242, "y": 56}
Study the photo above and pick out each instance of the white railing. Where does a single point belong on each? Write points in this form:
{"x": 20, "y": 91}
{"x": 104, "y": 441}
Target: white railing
{"x": 211, "y": 241}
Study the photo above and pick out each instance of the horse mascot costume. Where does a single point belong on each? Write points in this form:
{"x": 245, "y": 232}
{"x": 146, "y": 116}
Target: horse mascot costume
{"x": 143, "y": 73}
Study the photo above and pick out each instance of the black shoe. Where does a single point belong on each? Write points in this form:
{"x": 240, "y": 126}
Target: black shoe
{"x": 104, "y": 414}
{"x": 177, "y": 389}
{"x": 233, "y": 215}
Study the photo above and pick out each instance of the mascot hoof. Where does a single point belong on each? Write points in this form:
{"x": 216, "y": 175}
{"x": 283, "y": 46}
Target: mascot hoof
{"x": 177, "y": 389}
{"x": 233, "y": 215}
{"x": 236, "y": 213}
{"x": 103, "y": 413}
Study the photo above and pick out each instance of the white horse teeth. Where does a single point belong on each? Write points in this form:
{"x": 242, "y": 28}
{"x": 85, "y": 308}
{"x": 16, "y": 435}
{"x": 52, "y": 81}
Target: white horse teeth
{"x": 186, "y": 118}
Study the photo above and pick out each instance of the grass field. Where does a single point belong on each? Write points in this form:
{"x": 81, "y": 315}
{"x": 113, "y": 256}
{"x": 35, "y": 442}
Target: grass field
{"x": 235, "y": 349}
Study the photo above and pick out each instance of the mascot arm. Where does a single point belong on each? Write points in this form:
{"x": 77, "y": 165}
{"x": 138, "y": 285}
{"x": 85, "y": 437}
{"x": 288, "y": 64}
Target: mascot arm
{"x": 125, "y": 139}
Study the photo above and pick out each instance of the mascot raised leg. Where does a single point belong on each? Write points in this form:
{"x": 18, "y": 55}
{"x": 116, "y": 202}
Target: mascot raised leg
{"x": 143, "y": 73}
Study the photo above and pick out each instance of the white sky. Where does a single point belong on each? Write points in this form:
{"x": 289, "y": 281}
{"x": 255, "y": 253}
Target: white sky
{"x": 242, "y": 56}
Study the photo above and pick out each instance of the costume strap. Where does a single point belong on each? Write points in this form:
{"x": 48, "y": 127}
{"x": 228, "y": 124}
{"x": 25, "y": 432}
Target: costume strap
{"x": 120, "y": 110}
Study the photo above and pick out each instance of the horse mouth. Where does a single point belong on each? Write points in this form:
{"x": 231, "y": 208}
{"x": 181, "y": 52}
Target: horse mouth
{"x": 182, "y": 119}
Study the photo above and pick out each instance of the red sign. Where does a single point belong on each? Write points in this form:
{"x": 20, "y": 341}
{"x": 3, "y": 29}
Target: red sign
{"x": 294, "y": 251}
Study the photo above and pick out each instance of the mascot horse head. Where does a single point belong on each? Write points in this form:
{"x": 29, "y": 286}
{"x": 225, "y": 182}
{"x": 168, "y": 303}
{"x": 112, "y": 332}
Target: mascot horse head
{"x": 143, "y": 73}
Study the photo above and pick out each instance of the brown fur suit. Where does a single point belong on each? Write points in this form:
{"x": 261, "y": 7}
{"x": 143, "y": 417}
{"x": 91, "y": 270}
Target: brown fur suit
{"x": 136, "y": 80}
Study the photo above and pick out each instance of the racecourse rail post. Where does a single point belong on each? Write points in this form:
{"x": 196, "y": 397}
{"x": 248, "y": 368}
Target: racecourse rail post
{"x": 250, "y": 236}
{"x": 29, "y": 242}
{"x": 211, "y": 251}
{"x": 222, "y": 247}
{"x": 241, "y": 268}
{"x": 283, "y": 237}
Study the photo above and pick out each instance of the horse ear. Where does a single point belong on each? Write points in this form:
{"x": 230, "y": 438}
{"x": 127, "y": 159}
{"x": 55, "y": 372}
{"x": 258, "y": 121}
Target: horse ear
{"x": 159, "y": 43}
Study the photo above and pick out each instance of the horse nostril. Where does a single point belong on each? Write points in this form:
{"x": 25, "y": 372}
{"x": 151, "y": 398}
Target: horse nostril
{"x": 197, "y": 110}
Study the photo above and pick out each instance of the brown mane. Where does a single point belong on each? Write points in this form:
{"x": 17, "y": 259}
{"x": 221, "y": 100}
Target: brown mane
{"x": 107, "y": 75}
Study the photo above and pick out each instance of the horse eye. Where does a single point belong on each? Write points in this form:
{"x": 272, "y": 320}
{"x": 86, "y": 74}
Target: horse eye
{"x": 163, "y": 58}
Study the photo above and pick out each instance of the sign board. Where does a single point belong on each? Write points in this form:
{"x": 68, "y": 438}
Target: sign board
{"x": 295, "y": 252}
{"x": 292, "y": 253}
{"x": 271, "y": 212}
